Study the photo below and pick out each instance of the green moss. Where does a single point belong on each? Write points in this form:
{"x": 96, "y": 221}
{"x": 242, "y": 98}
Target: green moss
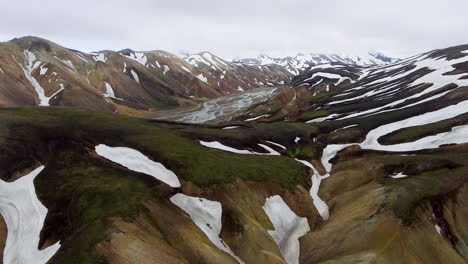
{"x": 294, "y": 153}
{"x": 407, "y": 193}
{"x": 312, "y": 115}
{"x": 411, "y": 134}
{"x": 82, "y": 191}
{"x": 178, "y": 151}
{"x": 311, "y": 152}
{"x": 281, "y": 131}
{"x": 344, "y": 136}
{"x": 85, "y": 193}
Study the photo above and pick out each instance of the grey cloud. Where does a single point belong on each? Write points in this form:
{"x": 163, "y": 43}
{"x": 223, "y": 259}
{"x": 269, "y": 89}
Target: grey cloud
{"x": 243, "y": 27}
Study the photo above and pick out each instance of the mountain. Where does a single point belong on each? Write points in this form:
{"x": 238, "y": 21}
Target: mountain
{"x": 348, "y": 164}
{"x": 301, "y": 62}
{"x": 35, "y": 71}
{"x": 343, "y": 89}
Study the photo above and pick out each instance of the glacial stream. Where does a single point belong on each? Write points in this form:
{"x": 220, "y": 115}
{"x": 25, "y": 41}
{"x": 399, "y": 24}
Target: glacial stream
{"x": 220, "y": 109}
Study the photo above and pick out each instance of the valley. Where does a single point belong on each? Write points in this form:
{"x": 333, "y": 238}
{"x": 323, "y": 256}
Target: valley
{"x": 315, "y": 158}
{"x": 216, "y": 110}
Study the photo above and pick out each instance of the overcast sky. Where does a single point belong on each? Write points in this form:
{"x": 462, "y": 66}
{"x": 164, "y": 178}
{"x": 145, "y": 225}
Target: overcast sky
{"x": 241, "y": 28}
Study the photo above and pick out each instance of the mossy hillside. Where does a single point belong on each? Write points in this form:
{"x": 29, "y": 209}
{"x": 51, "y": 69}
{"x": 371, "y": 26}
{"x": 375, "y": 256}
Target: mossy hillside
{"x": 411, "y": 134}
{"x": 82, "y": 190}
{"x": 430, "y": 177}
{"x": 285, "y": 133}
{"x": 247, "y": 137}
{"x": 306, "y": 116}
{"x": 407, "y": 193}
{"x": 81, "y": 194}
{"x": 343, "y": 136}
{"x": 184, "y": 155}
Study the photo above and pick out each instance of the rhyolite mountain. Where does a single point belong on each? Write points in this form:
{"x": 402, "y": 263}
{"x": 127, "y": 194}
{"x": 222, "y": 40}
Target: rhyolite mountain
{"x": 35, "y": 71}
{"x": 346, "y": 164}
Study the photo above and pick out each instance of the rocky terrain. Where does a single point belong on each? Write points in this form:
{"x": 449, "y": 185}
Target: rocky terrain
{"x": 35, "y": 71}
{"x": 38, "y": 72}
{"x": 347, "y": 164}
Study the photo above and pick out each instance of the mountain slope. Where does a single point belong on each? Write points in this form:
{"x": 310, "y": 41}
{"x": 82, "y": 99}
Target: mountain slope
{"x": 348, "y": 165}
{"x": 301, "y": 62}
{"x": 35, "y": 71}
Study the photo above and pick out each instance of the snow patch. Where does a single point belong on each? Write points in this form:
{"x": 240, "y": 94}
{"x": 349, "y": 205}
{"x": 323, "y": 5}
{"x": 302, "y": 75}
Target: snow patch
{"x": 100, "y": 57}
{"x": 110, "y": 91}
{"x": 137, "y": 161}
{"x": 166, "y": 69}
{"x": 321, "y": 119}
{"x": 135, "y": 76}
{"x": 453, "y": 136}
{"x": 206, "y": 215}
{"x": 218, "y": 145}
{"x": 438, "y": 229}
{"x": 231, "y": 127}
{"x": 202, "y": 78}
{"x": 343, "y": 128}
{"x": 43, "y": 70}
{"x": 68, "y": 63}
{"x": 185, "y": 69}
{"x": 255, "y": 118}
{"x": 320, "y": 205}
{"x": 398, "y": 175}
{"x": 139, "y": 57}
{"x": 24, "y": 215}
{"x": 276, "y": 144}
{"x": 288, "y": 228}
{"x": 30, "y": 65}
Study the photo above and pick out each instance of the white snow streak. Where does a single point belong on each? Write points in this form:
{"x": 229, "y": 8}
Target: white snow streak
{"x": 24, "y": 215}
{"x": 139, "y": 57}
{"x": 202, "y": 78}
{"x": 137, "y": 161}
{"x": 30, "y": 65}
{"x": 288, "y": 228}
{"x": 43, "y": 70}
{"x": 320, "y": 205}
{"x": 166, "y": 69}
{"x": 206, "y": 215}
{"x": 438, "y": 229}
{"x": 135, "y": 76}
{"x": 255, "y": 118}
{"x": 231, "y": 127}
{"x": 217, "y": 145}
{"x": 110, "y": 92}
{"x": 100, "y": 57}
{"x": 276, "y": 144}
{"x": 185, "y": 69}
{"x": 398, "y": 175}
{"x": 321, "y": 119}
{"x": 454, "y": 136}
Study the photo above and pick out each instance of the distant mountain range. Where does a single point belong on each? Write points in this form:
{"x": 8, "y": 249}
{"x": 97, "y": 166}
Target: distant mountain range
{"x": 302, "y": 62}
{"x": 35, "y": 71}
{"x": 345, "y": 163}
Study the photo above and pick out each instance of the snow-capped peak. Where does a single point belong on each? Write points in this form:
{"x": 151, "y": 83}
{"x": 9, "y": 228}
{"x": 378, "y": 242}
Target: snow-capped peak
{"x": 302, "y": 61}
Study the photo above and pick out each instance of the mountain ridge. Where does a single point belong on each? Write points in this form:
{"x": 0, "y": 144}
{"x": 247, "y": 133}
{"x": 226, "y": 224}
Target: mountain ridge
{"x": 345, "y": 164}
